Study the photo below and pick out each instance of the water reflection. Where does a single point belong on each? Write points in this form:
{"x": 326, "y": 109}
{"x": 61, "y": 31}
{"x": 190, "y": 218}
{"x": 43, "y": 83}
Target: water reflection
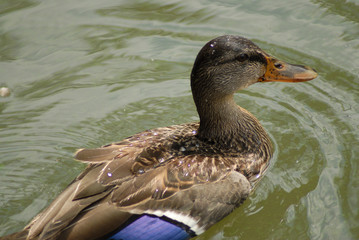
{"x": 96, "y": 72}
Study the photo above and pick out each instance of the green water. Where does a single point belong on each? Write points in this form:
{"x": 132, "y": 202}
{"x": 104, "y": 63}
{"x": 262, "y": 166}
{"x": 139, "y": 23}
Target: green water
{"x": 86, "y": 73}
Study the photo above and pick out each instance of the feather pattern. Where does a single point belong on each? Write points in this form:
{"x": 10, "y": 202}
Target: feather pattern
{"x": 173, "y": 178}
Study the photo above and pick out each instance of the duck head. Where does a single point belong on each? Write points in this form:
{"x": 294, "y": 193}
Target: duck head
{"x": 229, "y": 63}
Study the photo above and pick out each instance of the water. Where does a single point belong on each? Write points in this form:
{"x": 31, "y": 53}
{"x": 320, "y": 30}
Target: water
{"x": 87, "y": 73}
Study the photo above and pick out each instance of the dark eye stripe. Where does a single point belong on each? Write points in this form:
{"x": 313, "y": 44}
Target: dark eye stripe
{"x": 258, "y": 58}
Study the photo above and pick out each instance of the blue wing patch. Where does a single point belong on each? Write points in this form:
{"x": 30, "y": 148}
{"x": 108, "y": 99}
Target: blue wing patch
{"x": 151, "y": 228}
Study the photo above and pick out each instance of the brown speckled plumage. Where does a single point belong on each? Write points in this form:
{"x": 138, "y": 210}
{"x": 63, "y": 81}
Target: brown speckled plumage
{"x": 194, "y": 174}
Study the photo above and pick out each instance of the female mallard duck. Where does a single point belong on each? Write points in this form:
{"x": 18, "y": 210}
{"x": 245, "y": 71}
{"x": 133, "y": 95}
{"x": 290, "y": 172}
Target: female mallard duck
{"x": 175, "y": 182}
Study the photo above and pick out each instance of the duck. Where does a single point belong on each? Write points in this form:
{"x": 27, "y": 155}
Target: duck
{"x": 175, "y": 182}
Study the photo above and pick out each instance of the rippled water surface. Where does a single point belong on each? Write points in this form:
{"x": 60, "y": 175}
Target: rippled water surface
{"x": 86, "y": 73}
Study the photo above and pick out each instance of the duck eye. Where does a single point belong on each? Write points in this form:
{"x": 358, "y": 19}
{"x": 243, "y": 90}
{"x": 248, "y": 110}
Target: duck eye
{"x": 242, "y": 57}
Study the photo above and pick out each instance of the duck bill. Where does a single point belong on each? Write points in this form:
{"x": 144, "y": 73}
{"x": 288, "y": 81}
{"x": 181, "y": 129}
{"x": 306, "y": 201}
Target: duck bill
{"x": 279, "y": 71}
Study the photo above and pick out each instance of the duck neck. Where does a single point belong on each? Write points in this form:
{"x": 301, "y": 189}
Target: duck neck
{"x": 224, "y": 123}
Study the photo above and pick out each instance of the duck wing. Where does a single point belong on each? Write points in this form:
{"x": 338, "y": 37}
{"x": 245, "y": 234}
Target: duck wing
{"x": 142, "y": 175}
